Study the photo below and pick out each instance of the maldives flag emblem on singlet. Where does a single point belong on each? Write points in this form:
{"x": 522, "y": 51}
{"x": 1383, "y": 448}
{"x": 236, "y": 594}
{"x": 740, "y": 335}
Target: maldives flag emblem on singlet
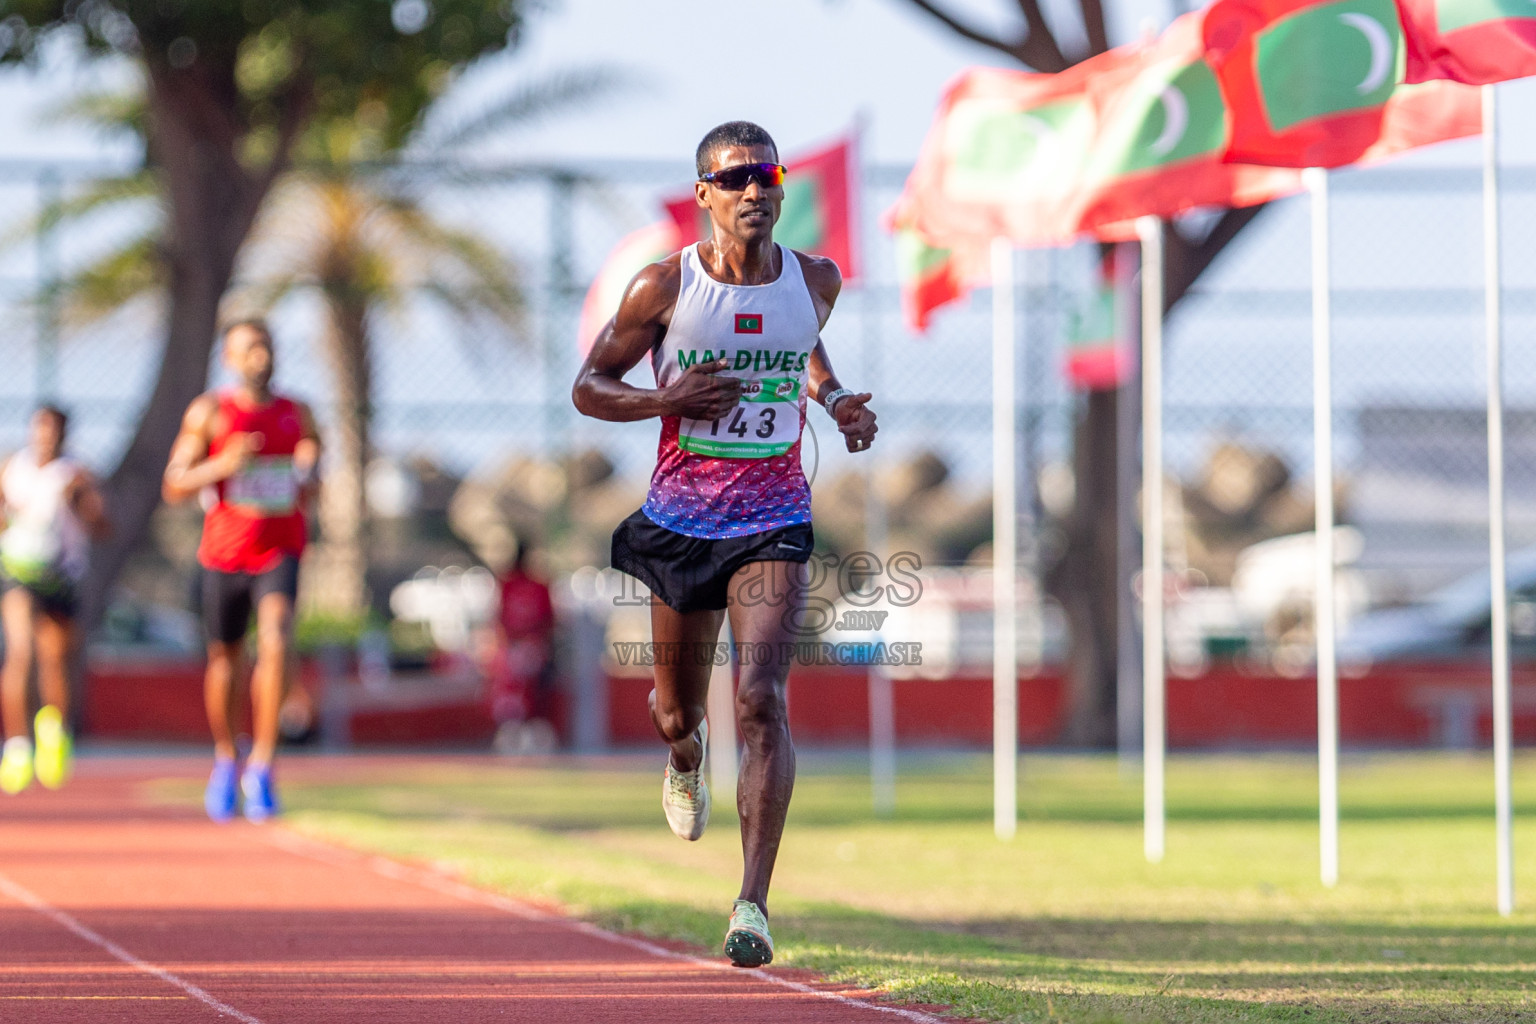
{"x": 749, "y": 323}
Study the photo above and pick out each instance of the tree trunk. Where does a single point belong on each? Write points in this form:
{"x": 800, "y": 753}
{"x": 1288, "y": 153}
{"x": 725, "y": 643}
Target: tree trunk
{"x": 1086, "y": 578}
{"x": 338, "y": 577}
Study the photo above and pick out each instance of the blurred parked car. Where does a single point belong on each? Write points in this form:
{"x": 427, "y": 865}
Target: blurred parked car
{"x": 137, "y": 629}
{"x": 1452, "y": 623}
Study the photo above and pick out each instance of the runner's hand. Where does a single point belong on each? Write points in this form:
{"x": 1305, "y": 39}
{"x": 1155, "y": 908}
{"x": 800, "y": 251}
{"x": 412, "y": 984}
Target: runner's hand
{"x": 237, "y": 451}
{"x": 699, "y": 395}
{"x": 855, "y": 421}
{"x": 306, "y": 458}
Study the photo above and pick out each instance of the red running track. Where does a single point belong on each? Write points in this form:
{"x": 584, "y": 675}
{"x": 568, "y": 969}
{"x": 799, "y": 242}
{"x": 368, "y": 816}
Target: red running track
{"x": 112, "y": 909}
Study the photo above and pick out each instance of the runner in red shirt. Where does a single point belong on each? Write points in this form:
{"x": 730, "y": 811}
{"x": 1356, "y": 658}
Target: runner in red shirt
{"x": 251, "y": 455}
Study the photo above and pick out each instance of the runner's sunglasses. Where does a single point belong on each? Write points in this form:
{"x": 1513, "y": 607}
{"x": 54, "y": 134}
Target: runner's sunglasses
{"x": 736, "y": 179}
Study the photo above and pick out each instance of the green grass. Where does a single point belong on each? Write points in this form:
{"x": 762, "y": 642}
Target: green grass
{"x": 1067, "y": 922}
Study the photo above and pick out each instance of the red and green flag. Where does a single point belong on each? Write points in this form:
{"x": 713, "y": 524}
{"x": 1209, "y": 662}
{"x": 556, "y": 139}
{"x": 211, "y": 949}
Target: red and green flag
{"x": 1161, "y": 135}
{"x": 1320, "y": 83}
{"x": 1100, "y": 354}
{"x": 1003, "y": 158}
{"x": 634, "y": 253}
{"x": 1474, "y": 41}
{"x": 818, "y": 212}
{"x": 930, "y": 275}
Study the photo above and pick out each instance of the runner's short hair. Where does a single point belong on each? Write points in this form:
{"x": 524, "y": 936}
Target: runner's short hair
{"x": 57, "y": 412}
{"x": 255, "y": 323}
{"x": 732, "y": 133}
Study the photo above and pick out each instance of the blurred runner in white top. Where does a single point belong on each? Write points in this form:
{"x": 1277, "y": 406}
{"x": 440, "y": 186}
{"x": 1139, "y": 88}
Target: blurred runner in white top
{"x": 52, "y": 508}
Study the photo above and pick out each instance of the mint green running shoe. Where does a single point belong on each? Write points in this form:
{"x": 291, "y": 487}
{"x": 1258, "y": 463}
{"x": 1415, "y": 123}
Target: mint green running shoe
{"x": 747, "y": 941}
{"x": 685, "y": 795}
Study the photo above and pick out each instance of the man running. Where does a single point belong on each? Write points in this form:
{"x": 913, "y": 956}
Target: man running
{"x": 254, "y": 454}
{"x": 52, "y": 510}
{"x": 731, "y": 326}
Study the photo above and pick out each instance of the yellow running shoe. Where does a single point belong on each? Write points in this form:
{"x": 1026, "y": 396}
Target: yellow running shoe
{"x": 16, "y": 765}
{"x": 54, "y": 747}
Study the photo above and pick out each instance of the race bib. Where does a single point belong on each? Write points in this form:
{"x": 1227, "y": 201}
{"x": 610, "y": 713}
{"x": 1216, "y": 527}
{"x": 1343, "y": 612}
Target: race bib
{"x": 765, "y": 422}
{"x": 266, "y": 485}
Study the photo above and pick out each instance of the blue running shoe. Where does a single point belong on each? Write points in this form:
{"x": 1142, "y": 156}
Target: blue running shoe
{"x": 260, "y": 797}
{"x": 219, "y": 797}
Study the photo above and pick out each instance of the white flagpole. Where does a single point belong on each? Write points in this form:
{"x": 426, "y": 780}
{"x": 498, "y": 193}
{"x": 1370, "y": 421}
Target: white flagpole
{"x": 1499, "y": 624}
{"x": 882, "y": 697}
{"x": 1153, "y": 703}
{"x": 1322, "y": 475}
{"x": 1005, "y": 641}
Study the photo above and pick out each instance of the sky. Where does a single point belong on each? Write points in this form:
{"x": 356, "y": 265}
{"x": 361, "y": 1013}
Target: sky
{"x": 805, "y": 69}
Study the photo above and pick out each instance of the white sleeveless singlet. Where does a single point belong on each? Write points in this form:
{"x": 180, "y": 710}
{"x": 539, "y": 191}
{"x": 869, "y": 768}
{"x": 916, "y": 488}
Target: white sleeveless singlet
{"x": 740, "y": 474}
{"x": 43, "y": 537}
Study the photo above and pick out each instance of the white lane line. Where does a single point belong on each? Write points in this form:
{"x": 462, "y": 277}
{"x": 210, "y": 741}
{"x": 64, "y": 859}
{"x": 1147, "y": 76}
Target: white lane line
{"x": 326, "y": 853}
{"x": 28, "y": 898}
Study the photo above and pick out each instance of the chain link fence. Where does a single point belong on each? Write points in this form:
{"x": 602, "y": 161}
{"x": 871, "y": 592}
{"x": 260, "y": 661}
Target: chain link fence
{"x": 471, "y": 397}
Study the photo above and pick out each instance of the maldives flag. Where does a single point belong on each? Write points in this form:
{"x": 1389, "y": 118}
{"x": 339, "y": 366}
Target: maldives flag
{"x": 931, "y": 276}
{"x": 1319, "y": 83}
{"x": 1003, "y": 158}
{"x": 818, "y": 212}
{"x": 1099, "y": 354}
{"x": 1474, "y": 41}
{"x": 1161, "y": 130}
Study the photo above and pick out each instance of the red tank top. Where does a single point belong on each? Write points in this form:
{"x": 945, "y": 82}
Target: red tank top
{"x": 255, "y": 520}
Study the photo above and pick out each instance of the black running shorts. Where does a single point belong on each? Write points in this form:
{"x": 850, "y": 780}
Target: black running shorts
{"x": 56, "y": 596}
{"x": 692, "y": 573}
{"x": 230, "y": 597}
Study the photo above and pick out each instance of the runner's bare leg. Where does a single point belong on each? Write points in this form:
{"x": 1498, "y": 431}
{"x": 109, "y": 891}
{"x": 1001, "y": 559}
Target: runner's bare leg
{"x": 16, "y": 610}
{"x": 766, "y": 599}
{"x": 681, "y": 695}
{"x": 55, "y": 637}
{"x": 269, "y": 682}
{"x": 226, "y": 663}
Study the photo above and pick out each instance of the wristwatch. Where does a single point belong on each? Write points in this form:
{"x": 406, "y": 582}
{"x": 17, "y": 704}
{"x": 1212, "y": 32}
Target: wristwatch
{"x": 831, "y": 400}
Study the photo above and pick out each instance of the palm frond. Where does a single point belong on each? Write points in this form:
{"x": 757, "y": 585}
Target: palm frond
{"x": 480, "y": 272}
{"x": 473, "y": 317}
{"x": 524, "y": 105}
{"x": 133, "y": 270}
{"x": 98, "y": 195}
{"x": 109, "y": 110}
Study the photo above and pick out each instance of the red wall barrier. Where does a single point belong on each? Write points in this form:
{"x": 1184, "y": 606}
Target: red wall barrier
{"x": 1399, "y": 705}
{"x": 159, "y": 699}
{"x": 163, "y": 700}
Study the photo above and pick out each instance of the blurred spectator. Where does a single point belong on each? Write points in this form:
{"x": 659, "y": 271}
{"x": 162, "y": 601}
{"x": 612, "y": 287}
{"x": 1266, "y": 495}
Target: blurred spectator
{"x": 520, "y": 674}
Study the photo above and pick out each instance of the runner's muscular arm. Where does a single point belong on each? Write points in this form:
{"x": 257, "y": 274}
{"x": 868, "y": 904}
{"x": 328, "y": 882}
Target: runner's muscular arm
{"x": 190, "y": 469}
{"x": 88, "y": 505}
{"x": 825, "y": 282}
{"x": 855, "y": 420}
{"x": 600, "y": 390}
{"x": 306, "y": 454}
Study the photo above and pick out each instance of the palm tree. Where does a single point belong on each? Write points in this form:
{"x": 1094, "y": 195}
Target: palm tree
{"x": 361, "y": 239}
{"x": 369, "y": 251}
